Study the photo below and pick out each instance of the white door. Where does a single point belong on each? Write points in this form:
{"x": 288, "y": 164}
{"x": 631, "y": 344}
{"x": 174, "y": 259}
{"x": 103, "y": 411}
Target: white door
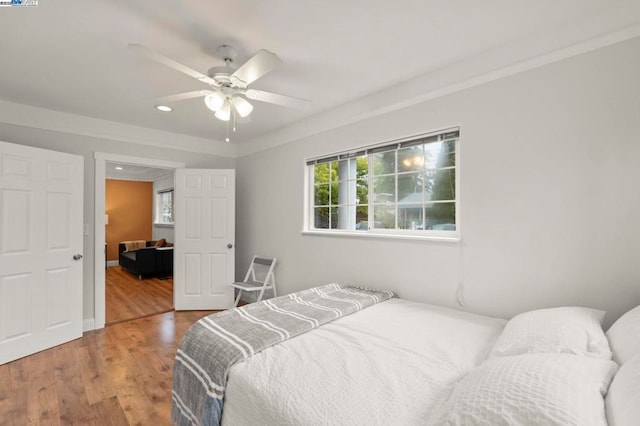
{"x": 40, "y": 234}
{"x": 204, "y": 253}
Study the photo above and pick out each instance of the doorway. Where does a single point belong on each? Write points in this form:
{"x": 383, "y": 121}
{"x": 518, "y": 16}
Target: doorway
{"x": 138, "y": 207}
{"x": 101, "y": 161}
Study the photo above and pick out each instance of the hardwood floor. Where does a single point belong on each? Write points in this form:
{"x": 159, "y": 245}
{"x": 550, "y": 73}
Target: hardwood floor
{"x": 127, "y": 297}
{"x": 120, "y": 375}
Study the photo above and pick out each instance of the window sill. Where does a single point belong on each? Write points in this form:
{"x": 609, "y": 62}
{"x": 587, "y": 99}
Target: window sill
{"x": 163, "y": 225}
{"x": 365, "y": 234}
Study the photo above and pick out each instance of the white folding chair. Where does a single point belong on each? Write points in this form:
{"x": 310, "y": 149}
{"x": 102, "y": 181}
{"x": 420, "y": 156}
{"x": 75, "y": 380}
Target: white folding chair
{"x": 257, "y": 281}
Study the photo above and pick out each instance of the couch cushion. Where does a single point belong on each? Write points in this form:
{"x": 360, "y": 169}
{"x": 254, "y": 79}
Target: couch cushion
{"x": 134, "y": 245}
{"x": 129, "y": 255}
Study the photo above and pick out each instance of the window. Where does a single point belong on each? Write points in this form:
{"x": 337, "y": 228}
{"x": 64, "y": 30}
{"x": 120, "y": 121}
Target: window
{"x": 164, "y": 207}
{"x": 405, "y": 187}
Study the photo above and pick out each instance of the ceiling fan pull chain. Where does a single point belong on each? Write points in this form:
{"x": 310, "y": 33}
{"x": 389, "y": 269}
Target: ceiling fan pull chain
{"x": 233, "y": 113}
{"x": 227, "y": 138}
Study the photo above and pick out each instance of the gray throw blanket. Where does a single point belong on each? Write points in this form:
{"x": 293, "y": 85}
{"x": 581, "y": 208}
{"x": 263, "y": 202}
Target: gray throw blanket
{"x": 215, "y": 343}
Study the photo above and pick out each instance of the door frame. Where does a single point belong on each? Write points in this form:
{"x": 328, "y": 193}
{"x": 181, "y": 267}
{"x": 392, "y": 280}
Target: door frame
{"x": 101, "y": 159}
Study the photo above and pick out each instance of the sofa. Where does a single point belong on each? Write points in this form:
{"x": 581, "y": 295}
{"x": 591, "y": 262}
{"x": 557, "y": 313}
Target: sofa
{"x": 154, "y": 259}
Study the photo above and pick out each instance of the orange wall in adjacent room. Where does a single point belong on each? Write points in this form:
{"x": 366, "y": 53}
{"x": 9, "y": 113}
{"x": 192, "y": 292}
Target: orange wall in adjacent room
{"x": 129, "y": 205}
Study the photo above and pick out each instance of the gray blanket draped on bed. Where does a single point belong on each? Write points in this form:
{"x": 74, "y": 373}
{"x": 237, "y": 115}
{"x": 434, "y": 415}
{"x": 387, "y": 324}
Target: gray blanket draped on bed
{"x": 215, "y": 343}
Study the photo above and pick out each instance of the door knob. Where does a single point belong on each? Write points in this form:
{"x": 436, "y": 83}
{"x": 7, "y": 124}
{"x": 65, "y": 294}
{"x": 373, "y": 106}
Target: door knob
{"x": 229, "y": 245}
{"x": 77, "y": 256}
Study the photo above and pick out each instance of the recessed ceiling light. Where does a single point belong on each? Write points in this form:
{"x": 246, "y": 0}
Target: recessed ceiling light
{"x": 118, "y": 168}
{"x": 164, "y": 108}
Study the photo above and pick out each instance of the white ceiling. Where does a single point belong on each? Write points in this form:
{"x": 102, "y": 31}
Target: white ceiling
{"x": 72, "y": 56}
{"x": 126, "y": 171}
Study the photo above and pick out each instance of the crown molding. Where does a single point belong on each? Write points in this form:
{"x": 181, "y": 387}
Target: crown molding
{"x": 57, "y": 121}
{"x": 480, "y": 69}
{"x": 581, "y": 35}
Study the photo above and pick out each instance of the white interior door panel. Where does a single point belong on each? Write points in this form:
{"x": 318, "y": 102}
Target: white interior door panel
{"x": 41, "y": 203}
{"x": 204, "y": 252}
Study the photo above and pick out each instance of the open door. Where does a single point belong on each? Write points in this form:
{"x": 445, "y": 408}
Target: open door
{"x": 204, "y": 253}
{"x": 40, "y": 249}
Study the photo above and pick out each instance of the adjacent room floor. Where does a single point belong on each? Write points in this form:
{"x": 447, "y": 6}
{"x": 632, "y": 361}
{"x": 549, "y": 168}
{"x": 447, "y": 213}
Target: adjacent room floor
{"x": 127, "y": 297}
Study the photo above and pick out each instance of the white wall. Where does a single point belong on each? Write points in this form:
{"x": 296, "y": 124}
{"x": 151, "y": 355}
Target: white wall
{"x": 162, "y": 231}
{"x": 550, "y": 199}
{"x": 86, "y": 146}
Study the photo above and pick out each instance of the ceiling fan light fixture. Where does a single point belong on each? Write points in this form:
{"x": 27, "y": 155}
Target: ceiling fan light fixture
{"x": 214, "y": 101}
{"x": 243, "y": 107}
{"x": 224, "y": 113}
{"x": 229, "y": 90}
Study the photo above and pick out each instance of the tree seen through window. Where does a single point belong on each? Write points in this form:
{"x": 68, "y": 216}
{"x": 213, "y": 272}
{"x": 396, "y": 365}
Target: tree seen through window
{"x": 411, "y": 187}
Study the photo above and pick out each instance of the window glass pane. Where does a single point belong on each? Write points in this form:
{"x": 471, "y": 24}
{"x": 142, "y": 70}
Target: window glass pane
{"x": 448, "y": 155}
{"x": 384, "y": 217}
{"x": 411, "y": 216}
{"x": 384, "y": 163}
{"x": 441, "y": 216}
{"x": 440, "y": 185}
{"x": 321, "y": 195}
{"x": 347, "y": 192}
{"x": 321, "y": 173}
{"x": 410, "y": 188}
{"x": 362, "y": 191}
{"x": 345, "y": 169}
{"x": 384, "y": 189}
{"x": 362, "y": 214}
{"x": 411, "y": 159}
{"x": 440, "y": 154}
{"x": 334, "y": 171}
{"x": 321, "y": 218}
{"x": 165, "y": 207}
{"x": 333, "y": 212}
{"x": 362, "y": 167}
{"x": 333, "y": 201}
{"x": 344, "y": 217}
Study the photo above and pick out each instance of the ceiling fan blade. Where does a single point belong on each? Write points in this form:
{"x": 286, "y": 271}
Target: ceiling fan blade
{"x": 161, "y": 59}
{"x": 274, "y": 98}
{"x": 257, "y": 66}
{"x": 183, "y": 96}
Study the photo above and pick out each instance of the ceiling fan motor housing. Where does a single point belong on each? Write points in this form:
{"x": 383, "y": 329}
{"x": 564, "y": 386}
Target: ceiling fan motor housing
{"x": 222, "y": 75}
{"x": 227, "y": 52}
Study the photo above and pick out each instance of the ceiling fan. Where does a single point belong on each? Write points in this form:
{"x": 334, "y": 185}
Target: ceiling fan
{"x": 228, "y": 84}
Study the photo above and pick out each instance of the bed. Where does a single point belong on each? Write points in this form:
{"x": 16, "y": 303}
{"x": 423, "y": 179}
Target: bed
{"x": 397, "y": 362}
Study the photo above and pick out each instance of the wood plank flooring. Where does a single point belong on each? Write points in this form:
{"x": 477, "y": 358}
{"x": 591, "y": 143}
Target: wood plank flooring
{"x": 127, "y": 297}
{"x": 120, "y": 375}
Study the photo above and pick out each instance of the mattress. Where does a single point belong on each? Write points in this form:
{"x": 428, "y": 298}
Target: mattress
{"x": 389, "y": 364}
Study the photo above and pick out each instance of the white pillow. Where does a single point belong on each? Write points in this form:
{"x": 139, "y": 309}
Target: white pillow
{"x": 533, "y": 389}
{"x": 623, "y": 398}
{"x": 624, "y": 336}
{"x": 570, "y": 329}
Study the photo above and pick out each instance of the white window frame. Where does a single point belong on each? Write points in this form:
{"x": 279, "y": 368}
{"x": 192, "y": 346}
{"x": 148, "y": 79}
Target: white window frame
{"x": 159, "y": 216}
{"x": 437, "y": 235}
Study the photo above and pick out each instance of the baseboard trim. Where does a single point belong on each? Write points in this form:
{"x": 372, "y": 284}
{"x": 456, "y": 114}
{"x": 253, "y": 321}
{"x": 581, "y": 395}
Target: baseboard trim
{"x": 88, "y": 324}
{"x": 112, "y": 263}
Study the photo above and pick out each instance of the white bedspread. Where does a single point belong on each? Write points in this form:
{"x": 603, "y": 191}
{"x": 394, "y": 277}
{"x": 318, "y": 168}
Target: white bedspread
{"x": 385, "y": 365}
